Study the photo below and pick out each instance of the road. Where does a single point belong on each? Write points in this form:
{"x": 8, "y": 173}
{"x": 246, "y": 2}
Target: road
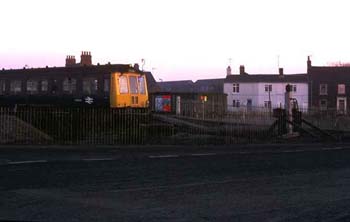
{"x": 268, "y": 183}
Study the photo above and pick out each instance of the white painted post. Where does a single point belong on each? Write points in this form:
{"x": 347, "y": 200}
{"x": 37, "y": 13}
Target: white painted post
{"x": 178, "y": 105}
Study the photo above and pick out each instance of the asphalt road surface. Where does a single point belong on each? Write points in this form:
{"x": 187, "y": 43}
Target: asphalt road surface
{"x": 268, "y": 183}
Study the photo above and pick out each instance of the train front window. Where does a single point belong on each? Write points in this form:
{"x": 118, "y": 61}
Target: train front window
{"x": 123, "y": 85}
{"x": 133, "y": 85}
{"x": 142, "y": 85}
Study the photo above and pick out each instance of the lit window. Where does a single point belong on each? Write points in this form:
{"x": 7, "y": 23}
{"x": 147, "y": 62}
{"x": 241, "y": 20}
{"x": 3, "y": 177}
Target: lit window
{"x": 235, "y": 88}
{"x": 123, "y": 85}
{"x": 2, "y": 87}
{"x": 32, "y": 86}
{"x": 341, "y": 88}
{"x": 15, "y": 86}
{"x": 268, "y": 88}
{"x": 323, "y": 89}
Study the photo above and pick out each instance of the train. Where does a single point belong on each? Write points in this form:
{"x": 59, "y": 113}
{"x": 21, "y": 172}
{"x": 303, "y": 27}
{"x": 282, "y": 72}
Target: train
{"x": 115, "y": 86}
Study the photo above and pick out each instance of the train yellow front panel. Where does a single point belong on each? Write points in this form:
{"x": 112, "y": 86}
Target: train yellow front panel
{"x": 125, "y": 90}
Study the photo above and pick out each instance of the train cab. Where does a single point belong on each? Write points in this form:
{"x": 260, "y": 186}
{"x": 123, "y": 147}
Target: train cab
{"x": 128, "y": 90}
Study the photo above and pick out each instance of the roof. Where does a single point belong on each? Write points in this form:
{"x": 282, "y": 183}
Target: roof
{"x": 209, "y": 85}
{"x": 330, "y": 74}
{"x": 268, "y": 78}
{"x": 183, "y": 86}
{"x": 330, "y": 69}
{"x": 188, "y": 86}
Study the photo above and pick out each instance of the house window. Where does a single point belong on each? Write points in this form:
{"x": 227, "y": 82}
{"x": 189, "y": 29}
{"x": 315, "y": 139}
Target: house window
{"x": 235, "y": 87}
{"x": 268, "y": 88}
{"x": 32, "y": 87}
{"x": 323, "y": 89}
{"x": 106, "y": 85}
{"x": 15, "y": 86}
{"x": 267, "y": 104}
{"x": 90, "y": 86}
{"x": 69, "y": 85}
{"x": 44, "y": 85}
{"x": 341, "y": 88}
{"x": 323, "y": 104}
{"x": 236, "y": 103}
{"x": 2, "y": 87}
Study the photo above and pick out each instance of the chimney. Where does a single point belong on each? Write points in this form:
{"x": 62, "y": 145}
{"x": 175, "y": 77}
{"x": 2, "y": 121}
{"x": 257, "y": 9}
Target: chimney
{"x": 280, "y": 71}
{"x": 241, "y": 70}
{"x": 70, "y": 61}
{"x": 308, "y": 62}
{"x": 85, "y": 59}
{"x": 228, "y": 71}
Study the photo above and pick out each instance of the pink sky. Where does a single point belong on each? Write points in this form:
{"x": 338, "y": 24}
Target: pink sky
{"x": 182, "y": 39}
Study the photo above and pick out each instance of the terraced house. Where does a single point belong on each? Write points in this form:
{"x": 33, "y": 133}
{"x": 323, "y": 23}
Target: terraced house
{"x": 329, "y": 87}
{"x": 255, "y": 91}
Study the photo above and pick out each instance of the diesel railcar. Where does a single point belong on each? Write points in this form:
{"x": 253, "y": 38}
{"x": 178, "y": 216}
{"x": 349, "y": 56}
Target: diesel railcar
{"x": 114, "y": 86}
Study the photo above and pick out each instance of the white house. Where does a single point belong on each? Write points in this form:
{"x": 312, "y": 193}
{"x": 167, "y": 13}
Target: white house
{"x": 250, "y": 91}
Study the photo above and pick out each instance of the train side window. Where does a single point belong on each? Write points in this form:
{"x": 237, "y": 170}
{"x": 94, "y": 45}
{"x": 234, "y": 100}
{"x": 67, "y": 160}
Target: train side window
{"x": 106, "y": 85}
{"x": 2, "y": 87}
{"x": 32, "y": 86}
{"x": 15, "y": 86}
{"x": 142, "y": 85}
{"x": 123, "y": 85}
{"x": 44, "y": 85}
{"x": 90, "y": 85}
{"x": 69, "y": 85}
{"x": 133, "y": 84}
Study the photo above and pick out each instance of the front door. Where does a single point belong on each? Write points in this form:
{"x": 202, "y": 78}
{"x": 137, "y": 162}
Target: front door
{"x": 341, "y": 105}
{"x": 249, "y": 104}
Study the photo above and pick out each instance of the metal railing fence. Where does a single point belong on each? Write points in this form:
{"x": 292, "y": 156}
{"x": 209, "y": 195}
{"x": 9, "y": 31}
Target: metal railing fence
{"x": 105, "y": 126}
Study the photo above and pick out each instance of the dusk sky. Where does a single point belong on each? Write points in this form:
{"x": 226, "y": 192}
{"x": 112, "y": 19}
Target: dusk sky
{"x": 180, "y": 39}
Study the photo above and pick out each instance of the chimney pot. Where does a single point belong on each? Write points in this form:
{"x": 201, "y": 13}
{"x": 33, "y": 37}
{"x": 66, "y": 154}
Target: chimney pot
{"x": 241, "y": 70}
{"x": 228, "y": 71}
{"x": 85, "y": 58}
{"x": 309, "y": 64}
{"x": 280, "y": 71}
{"x": 70, "y": 60}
